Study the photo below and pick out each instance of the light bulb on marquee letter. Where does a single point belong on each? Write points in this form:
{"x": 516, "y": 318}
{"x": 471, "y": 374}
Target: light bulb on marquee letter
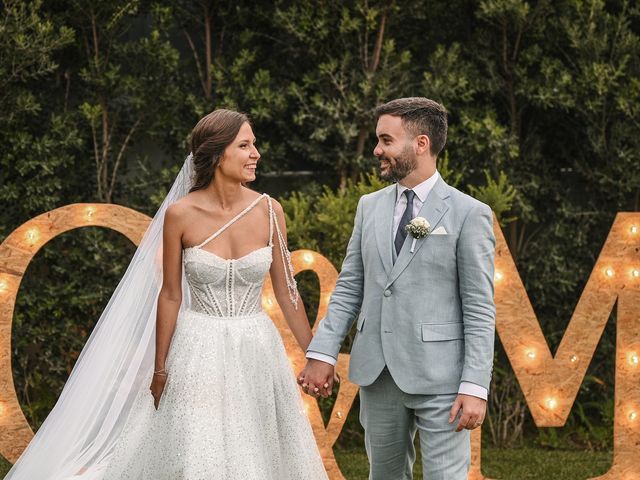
{"x": 89, "y": 212}
{"x": 308, "y": 258}
{"x": 4, "y": 285}
{"x": 32, "y": 236}
{"x": 306, "y": 406}
{"x": 269, "y": 304}
{"x": 531, "y": 353}
{"x": 634, "y": 229}
{"x": 633, "y": 359}
{"x": 499, "y": 276}
{"x": 551, "y": 403}
{"x": 609, "y": 272}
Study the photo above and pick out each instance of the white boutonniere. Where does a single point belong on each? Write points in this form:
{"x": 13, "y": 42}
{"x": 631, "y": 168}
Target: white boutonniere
{"x": 418, "y": 228}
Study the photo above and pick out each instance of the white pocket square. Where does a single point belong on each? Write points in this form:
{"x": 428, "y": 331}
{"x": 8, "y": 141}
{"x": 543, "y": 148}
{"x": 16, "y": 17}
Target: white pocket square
{"x": 439, "y": 231}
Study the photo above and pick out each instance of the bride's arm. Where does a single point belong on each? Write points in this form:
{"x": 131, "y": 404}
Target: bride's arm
{"x": 170, "y": 296}
{"x": 283, "y": 282}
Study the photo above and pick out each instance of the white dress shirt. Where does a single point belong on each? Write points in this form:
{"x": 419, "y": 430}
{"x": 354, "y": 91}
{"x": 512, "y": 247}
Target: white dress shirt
{"x": 421, "y": 191}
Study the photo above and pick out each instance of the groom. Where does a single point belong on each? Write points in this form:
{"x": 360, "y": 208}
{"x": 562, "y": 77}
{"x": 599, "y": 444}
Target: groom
{"x": 423, "y": 350}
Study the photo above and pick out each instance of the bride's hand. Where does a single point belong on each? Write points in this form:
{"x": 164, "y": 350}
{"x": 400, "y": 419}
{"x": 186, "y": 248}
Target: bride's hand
{"x": 157, "y": 387}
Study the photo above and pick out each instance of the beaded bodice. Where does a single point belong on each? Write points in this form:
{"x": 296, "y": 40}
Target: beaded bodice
{"x": 226, "y": 288}
{"x": 222, "y": 287}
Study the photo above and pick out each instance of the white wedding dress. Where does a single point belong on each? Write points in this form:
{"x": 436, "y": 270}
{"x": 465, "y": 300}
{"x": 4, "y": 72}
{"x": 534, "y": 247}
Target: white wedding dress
{"x": 231, "y": 407}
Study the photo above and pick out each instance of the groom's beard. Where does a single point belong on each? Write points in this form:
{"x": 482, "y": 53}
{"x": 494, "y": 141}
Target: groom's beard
{"x": 405, "y": 163}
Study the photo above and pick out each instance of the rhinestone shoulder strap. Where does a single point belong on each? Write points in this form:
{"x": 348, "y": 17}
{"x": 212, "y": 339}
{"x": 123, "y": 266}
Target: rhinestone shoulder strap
{"x": 232, "y": 221}
{"x": 284, "y": 252}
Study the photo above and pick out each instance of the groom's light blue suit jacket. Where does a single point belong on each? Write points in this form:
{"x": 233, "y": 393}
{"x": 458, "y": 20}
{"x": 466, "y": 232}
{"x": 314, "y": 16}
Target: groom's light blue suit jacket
{"x": 430, "y": 316}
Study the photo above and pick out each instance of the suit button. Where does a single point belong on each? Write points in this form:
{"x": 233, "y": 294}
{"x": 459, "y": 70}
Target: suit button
{"x": 387, "y": 293}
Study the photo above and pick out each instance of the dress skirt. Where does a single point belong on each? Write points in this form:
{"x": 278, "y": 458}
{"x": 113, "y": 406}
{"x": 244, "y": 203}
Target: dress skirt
{"x": 230, "y": 409}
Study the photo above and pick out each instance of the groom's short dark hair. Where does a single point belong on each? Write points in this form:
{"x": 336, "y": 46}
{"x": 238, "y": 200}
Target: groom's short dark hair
{"x": 420, "y": 116}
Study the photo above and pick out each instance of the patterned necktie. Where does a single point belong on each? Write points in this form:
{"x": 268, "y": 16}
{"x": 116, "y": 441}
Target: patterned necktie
{"x": 401, "y": 234}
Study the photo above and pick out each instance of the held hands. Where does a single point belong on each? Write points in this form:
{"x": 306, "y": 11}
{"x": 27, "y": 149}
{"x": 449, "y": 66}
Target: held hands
{"x": 473, "y": 411}
{"x": 317, "y": 378}
{"x": 157, "y": 387}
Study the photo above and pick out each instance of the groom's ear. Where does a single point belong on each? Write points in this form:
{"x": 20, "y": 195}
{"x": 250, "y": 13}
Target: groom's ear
{"x": 423, "y": 144}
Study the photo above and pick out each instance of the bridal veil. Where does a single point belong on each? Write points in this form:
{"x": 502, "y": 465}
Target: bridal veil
{"x": 79, "y": 434}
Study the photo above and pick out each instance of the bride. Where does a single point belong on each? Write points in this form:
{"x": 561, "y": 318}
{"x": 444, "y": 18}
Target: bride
{"x": 222, "y": 402}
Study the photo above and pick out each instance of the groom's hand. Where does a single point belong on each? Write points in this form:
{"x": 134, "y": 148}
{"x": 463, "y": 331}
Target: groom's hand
{"x": 473, "y": 412}
{"x": 317, "y": 378}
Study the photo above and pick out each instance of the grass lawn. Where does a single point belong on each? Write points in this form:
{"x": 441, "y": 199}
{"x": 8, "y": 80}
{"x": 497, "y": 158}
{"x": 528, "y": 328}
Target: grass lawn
{"x": 512, "y": 464}
{"x": 516, "y": 464}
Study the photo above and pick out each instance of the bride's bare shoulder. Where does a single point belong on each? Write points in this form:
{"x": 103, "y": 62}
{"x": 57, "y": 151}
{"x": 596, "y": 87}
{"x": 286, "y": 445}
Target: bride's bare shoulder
{"x": 252, "y": 195}
{"x": 182, "y": 210}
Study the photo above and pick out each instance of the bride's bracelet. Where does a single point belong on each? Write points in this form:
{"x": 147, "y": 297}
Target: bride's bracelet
{"x": 162, "y": 372}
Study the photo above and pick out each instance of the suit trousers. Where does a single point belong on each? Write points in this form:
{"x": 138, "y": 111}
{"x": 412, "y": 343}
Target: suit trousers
{"x": 391, "y": 417}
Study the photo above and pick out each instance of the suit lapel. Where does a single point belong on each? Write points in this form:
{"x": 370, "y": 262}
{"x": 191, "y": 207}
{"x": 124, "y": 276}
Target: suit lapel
{"x": 383, "y": 226}
{"x": 433, "y": 210}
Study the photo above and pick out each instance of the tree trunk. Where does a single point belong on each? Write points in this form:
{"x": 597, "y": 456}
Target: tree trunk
{"x": 513, "y": 239}
{"x": 362, "y": 137}
{"x": 208, "y": 55}
{"x": 364, "y": 128}
{"x": 344, "y": 176}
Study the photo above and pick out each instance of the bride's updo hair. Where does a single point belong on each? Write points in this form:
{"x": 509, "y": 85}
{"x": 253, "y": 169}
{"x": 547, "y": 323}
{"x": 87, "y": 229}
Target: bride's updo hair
{"x": 209, "y": 138}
